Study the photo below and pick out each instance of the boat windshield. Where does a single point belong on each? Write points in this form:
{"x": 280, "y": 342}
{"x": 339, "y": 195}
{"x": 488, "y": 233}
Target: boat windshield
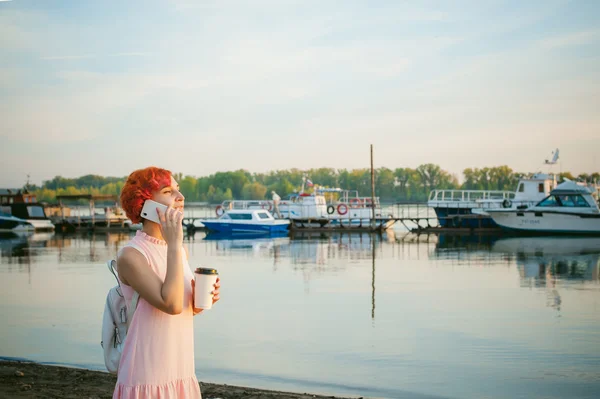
{"x": 35, "y": 211}
{"x": 240, "y": 216}
{"x": 571, "y": 201}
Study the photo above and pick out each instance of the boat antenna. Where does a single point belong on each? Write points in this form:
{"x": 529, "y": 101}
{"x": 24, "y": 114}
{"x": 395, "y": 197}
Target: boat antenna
{"x": 552, "y": 161}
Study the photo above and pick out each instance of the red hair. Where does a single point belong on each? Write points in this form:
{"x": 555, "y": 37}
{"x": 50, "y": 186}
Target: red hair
{"x": 139, "y": 187}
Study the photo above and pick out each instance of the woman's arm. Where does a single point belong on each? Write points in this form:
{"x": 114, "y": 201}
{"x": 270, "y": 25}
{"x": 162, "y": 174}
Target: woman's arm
{"x": 134, "y": 271}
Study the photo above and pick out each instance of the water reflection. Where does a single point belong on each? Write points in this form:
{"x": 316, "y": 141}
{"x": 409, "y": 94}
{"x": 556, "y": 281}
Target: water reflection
{"x": 566, "y": 258}
{"x": 308, "y": 253}
{"x": 71, "y": 248}
{"x": 13, "y": 246}
{"x": 545, "y": 262}
{"x": 541, "y": 262}
{"x": 303, "y": 249}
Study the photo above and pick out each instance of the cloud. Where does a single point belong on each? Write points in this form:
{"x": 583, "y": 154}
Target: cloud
{"x": 91, "y": 56}
{"x": 439, "y": 79}
{"x": 571, "y": 39}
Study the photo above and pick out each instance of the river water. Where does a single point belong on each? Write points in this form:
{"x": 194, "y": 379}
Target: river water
{"x": 391, "y": 316}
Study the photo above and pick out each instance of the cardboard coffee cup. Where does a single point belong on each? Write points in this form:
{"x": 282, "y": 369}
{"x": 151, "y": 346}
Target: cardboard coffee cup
{"x": 205, "y": 279}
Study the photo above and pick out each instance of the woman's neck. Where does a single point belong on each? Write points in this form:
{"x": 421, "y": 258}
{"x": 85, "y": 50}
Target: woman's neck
{"x": 152, "y": 229}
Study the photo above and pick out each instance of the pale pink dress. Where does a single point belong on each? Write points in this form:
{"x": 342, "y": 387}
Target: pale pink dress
{"x": 158, "y": 354}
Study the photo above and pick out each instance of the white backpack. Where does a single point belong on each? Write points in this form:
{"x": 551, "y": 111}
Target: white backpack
{"x": 117, "y": 316}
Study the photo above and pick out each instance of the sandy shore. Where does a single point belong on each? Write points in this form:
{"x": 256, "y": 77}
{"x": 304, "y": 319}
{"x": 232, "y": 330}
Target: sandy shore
{"x": 32, "y": 380}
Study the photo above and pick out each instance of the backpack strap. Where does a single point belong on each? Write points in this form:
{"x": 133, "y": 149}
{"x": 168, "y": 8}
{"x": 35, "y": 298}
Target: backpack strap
{"x": 112, "y": 265}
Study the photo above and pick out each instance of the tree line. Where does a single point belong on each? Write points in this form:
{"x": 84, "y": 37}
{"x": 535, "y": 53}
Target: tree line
{"x": 391, "y": 185}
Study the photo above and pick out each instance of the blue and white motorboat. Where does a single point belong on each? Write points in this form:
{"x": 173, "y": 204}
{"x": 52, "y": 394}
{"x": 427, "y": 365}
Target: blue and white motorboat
{"x": 12, "y": 224}
{"x": 570, "y": 208}
{"x": 247, "y": 221}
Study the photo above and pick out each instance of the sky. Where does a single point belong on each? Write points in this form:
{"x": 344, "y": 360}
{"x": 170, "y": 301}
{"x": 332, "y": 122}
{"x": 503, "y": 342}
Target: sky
{"x": 107, "y": 87}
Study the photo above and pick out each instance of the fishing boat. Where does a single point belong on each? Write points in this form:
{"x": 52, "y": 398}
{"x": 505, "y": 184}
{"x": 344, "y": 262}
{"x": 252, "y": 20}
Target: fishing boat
{"x": 246, "y": 221}
{"x": 570, "y": 208}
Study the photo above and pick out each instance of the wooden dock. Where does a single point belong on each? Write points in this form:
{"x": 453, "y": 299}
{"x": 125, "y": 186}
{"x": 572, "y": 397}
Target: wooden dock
{"x": 415, "y": 224}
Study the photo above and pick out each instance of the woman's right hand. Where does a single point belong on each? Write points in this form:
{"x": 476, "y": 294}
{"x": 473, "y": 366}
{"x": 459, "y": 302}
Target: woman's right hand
{"x": 171, "y": 226}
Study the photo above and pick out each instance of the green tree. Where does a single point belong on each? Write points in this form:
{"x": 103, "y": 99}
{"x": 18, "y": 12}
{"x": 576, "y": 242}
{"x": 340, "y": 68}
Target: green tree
{"x": 385, "y": 184}
{"x": 187, "y": 186}
{"x": 283, "y": 187}
{"x": 405, "y": 178}
{"x": 254, "y": 191}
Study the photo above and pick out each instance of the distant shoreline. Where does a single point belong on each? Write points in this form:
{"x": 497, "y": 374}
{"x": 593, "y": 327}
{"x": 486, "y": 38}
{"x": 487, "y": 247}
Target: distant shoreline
{"x": 23, "y": 379}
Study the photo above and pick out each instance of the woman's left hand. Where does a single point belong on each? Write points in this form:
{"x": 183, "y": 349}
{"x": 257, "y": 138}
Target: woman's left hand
{"x": 215, "y": 292}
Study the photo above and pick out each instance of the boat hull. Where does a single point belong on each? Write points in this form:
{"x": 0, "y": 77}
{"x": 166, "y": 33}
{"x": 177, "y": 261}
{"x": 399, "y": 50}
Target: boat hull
{"x": 548, "y": 222}
{"x": 451, "y": 217}
{"x": 343, "y": 223}
{"x": 11, "y": 224}
{"x": 228, "y": 227}
{"x": 42, "y": 224}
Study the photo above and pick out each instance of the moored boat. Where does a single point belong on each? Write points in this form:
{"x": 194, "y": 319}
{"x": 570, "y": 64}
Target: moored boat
{"x": 111, "y": 218}
{"x": 22, "y": 204}
{"x": 344, "y": 209}
{"x": 12, "y": 224}
{"x": 468, "y": 208}
{"x": 570, "y": 208}
{"x": 246, "y": 221}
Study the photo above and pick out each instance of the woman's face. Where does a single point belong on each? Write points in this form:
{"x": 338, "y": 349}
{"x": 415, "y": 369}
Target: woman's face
{"x": 170, "y": 195}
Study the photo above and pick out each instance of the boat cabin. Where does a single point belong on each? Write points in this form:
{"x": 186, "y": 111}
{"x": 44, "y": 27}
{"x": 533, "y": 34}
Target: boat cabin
{"x": 569, "y": 195}
{"x": 21, "y": 203}
{"x": 534, "y": 188}
{"x": 247, "y": 214}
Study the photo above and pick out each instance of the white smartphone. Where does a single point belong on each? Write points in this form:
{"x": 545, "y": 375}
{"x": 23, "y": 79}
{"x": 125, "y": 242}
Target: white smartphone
{"x": 149, "y": 210}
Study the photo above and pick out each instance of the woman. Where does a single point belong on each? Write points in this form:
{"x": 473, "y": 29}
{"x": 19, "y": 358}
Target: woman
{"x": 158, "y": 354}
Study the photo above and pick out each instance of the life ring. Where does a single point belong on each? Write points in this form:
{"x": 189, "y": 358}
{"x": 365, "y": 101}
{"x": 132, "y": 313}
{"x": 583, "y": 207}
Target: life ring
{"x": 506, "y": 203}
{"x": 368, "y": 203}
{"x": 219, "y": 210}
{"x": 355, "y": 203}
{"x": 342, "y": 209}
{"x": 330, "y": 209}
{"x": 270, "y": 206}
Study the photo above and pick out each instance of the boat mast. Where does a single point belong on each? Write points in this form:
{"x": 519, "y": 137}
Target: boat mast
{"x": 372, "y": 191}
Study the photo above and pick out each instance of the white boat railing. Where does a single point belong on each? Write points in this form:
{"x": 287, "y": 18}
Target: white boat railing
{"x": 246, "y": 204}
{"x": 469, "y": 195}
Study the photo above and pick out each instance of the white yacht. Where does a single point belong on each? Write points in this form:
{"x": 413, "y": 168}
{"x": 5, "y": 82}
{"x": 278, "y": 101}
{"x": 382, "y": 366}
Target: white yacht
{"x": 570, "y": 208}
{"x": 448, "y": 204}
